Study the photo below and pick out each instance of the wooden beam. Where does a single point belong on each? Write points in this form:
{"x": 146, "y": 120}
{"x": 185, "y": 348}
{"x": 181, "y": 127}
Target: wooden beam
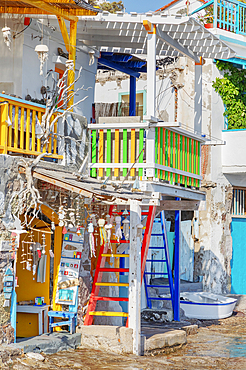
{"x": 63, "y": 185}
{"x": 72, "y": 56}
{"x": 75, "y": 12}
{"x": 52, "y": 9}
{"x": 182, "y": 205}
{"x": 64, "y": 2}
{"x": 64, "y": 33}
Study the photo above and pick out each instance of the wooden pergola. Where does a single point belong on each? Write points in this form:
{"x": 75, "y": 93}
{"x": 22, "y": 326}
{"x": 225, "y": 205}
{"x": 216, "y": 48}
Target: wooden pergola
{"x": 68, "y": 10}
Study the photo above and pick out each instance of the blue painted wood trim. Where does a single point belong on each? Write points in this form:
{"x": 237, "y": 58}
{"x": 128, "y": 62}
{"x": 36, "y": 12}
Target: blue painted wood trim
{"x": 209, "y": 304}
{"x": 203, "y": 7}
{"x": 132, "y": 100}
{"x": 117, "y": 67}
{"x": 168, "y": 265}
{"x": 13, "y": 312}
{"x": 238, "y": 129}
{"x": 176, "y": 313}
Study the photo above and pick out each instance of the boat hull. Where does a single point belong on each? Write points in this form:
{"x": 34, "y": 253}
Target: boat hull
{"x": 208, "y": 306}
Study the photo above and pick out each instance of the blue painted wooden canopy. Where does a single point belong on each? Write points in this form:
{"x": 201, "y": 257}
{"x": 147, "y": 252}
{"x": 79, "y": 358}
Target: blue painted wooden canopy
{"x": 125, "y": 63}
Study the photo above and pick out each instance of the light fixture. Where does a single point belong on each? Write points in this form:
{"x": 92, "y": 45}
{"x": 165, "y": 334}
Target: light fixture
{"x": 42, "y": 51}
{"x": 7, "y": 37}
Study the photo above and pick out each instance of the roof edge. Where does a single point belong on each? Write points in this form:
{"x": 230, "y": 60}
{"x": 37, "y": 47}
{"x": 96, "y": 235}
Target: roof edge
{"x": 171, "y": 3}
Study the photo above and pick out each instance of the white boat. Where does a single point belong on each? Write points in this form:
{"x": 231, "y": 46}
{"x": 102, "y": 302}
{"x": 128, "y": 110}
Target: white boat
{"x": 203, "y": 305}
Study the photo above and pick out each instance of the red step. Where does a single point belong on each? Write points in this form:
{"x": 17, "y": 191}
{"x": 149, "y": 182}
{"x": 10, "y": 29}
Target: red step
{"x": 121, "y": 299}
{"x": 104, "y": 269}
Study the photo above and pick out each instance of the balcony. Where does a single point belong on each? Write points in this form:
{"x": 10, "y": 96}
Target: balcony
{"x": 20, "y": 121}
{"x": 225, "y": 15}
{"x": 118, "y": 151}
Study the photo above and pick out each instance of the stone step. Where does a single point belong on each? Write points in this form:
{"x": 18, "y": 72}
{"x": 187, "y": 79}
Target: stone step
{"x": 50, "y": 343}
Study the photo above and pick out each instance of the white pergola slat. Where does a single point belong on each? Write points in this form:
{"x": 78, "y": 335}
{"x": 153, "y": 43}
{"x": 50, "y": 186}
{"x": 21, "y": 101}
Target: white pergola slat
{"x": 125, "y": 33}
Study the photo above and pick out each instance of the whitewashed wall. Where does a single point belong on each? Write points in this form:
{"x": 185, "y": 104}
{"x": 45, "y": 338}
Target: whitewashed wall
{"x": 20, "y": 66}
{"x": 109, "y": 93}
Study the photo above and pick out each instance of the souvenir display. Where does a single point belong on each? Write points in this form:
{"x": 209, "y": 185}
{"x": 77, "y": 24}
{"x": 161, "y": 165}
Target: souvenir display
{"x": 8, "y": 282}
{"x": 69, "y": 267}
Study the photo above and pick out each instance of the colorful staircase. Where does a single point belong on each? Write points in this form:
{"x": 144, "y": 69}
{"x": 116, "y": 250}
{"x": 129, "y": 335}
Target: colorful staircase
{"x": 165, "y": 261}
{"x": 100, "y": 269}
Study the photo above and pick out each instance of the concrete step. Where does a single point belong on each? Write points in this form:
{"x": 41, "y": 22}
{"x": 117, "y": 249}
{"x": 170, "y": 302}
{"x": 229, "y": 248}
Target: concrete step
{"x": 185, "y": 286}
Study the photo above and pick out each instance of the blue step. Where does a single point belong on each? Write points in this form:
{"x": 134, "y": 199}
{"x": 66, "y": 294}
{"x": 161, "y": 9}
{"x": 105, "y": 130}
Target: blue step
{"x": 159, "y": 299}
{"x": 156, "y": 248}
{"x": 157, "y": 286}
{"x": 156, "y": 273}
{"x": 156, "y": 260}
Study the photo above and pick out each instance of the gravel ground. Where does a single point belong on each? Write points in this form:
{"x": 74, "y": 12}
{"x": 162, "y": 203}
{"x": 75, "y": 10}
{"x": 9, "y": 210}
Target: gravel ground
{"x": 217, "y": 345}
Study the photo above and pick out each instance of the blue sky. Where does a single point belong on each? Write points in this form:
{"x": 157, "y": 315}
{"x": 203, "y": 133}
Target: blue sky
{"x": 142, "y": 6}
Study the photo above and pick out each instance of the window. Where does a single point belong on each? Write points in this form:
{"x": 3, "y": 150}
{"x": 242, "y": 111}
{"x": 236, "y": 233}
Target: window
{"x": 123, "y": 108}
{"x": 238, "y": 203}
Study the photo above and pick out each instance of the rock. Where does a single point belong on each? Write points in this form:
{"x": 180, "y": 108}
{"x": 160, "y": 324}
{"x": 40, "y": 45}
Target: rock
{"x": 153, "y": 315}
{"x": 160, "y": 342}
{"x": 35, "y": 356}
{"x": 190, "y": 329}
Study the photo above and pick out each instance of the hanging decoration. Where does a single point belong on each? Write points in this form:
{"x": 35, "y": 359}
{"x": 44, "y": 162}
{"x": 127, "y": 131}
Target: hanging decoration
{"x": 91, "y": 239}
{"x": 61, "y": 215}
{"x": 7, "y": 36}
{"x": 103, "y": 236}
{"x": 140, "y": 232}
{"x": 53, "y": 226}
{"x": 43, "y": 244}
{"x": 118, "y": 233}
{"x": 23, "y": 254}
{"x": 126, "y": 222}
{"x": 126, "y": 228}
{"x": 42, "y": 51}
{"x": 108, "y": 228}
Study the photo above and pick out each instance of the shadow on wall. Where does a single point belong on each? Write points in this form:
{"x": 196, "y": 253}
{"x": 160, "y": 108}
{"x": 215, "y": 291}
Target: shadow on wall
{"x": 209, "y": 269}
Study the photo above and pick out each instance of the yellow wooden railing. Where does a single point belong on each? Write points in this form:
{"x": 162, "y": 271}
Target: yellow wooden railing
{"x": 18, "y": 122}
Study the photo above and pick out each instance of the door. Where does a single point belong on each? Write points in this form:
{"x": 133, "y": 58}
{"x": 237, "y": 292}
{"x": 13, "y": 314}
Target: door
{"x": 238, "y": 267}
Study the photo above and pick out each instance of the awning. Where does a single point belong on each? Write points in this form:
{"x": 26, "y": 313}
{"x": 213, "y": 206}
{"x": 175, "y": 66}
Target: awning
{"x": 176, "y": 35}
{"x": 69, "y": 9}
{"x": 88, "y": 187}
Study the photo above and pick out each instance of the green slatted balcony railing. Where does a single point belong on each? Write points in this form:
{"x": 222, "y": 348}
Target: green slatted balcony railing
{"x": 115, "y": 148}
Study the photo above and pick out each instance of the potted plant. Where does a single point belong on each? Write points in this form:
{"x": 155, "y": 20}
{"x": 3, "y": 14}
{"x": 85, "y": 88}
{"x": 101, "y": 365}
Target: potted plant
{"x": 207, "y": 18}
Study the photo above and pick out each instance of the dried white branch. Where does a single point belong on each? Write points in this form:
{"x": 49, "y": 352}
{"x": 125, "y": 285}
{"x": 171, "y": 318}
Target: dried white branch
{"x": 29, "y": 197}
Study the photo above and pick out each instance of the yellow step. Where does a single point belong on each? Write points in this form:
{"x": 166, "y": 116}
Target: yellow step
{"x": 114, "y": 255}
{"x": 112, "y": 284}
{"x": 107, "y": 313}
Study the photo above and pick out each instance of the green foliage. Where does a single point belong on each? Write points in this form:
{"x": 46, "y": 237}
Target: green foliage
{"x": 115, "y": 6}
{"x": 232, "y": 89}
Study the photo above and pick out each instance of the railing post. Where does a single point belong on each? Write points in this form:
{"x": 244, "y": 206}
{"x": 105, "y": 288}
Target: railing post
{"x": 176, "y": 311}
{"x": 4, "y": 127}
{"x": 132, "y": 105}
{"x": 151, "y": 95}
{"x": 237, "y": 19}
{"x": 198, "y": 98}
{"x": 134, "y": 304}
{"x": 215, "y": 14}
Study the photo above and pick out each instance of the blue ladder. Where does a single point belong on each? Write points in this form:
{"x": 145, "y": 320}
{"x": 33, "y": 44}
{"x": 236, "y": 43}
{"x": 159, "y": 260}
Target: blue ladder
{"x": 166, "y": 260}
